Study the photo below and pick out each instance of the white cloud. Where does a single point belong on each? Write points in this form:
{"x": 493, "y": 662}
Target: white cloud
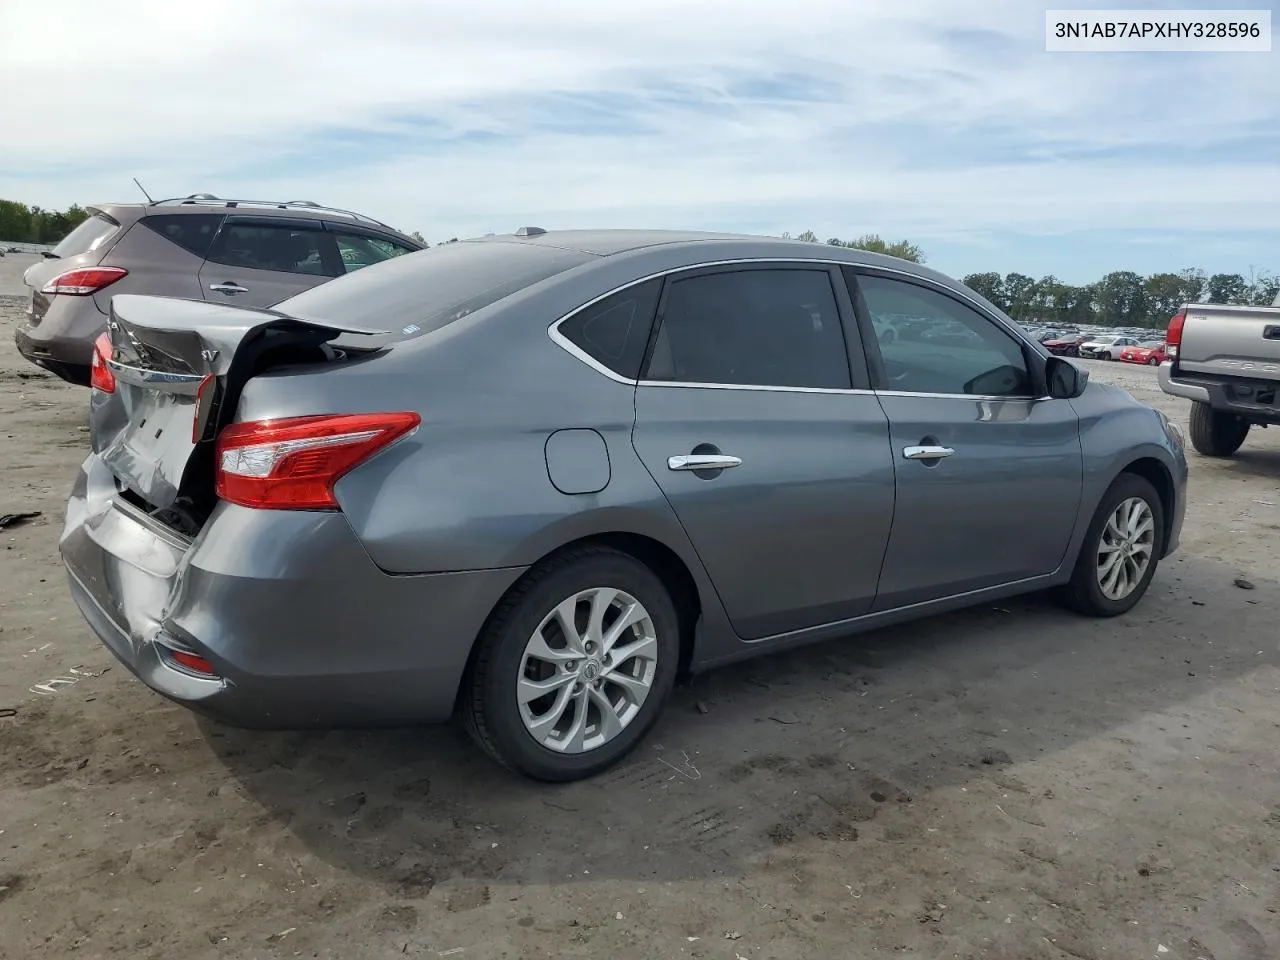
{"x": 922, "y": 133}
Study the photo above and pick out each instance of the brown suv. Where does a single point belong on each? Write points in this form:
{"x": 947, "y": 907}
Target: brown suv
{"x": 240, "y": 252}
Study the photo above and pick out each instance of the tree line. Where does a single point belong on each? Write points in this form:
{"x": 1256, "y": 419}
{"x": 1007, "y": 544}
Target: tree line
{"x": 20, "y": 223}
{"x": 1121, "y": 298}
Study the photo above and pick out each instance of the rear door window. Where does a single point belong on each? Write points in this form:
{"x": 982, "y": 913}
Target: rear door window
{"x": 279, "y": 247}
{"x": 358, "y": 250}
{"x": 777, "y": 327}
{"x": 193, "y": 232}
{"x": 87, "y": 237}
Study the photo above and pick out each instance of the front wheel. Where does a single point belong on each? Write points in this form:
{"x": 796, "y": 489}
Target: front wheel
{"x": 574, "y": 665}
{"x": 1121, "y": 549}
{"x": 1153, "y": 362}
{"x": 1216, "y": 434}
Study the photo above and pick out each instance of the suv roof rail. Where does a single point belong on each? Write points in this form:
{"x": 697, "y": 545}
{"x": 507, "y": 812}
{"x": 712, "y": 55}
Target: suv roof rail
{"x": 209, "y": 199}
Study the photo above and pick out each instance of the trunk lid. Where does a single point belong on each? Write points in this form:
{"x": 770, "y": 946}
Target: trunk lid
{"x": 179, "y": 367}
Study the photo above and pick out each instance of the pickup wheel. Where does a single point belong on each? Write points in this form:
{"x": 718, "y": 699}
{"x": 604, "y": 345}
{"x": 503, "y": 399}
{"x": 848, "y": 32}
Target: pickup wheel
{"x": 1216, "y": 434}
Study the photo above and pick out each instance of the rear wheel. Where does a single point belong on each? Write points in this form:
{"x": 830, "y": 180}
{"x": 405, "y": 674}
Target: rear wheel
{"x": 574, "y": 665}
{"x": 1153, "y": 362}
{"x": 1121, "y": 549}
{"x": 1216, "y": 434}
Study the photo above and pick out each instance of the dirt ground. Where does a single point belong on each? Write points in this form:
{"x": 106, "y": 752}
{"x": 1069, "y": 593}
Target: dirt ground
{"x": 1012, "y": 782}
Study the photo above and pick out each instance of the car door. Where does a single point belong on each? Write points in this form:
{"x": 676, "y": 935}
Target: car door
{"x": 989, "y": 471}
{"x": 258, "y": 261}
{"x": 754, "y": 419}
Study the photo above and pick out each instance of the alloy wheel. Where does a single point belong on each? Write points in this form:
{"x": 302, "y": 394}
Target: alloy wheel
{"x": 587, "y": 670}
{"x": 1126, "y": 547}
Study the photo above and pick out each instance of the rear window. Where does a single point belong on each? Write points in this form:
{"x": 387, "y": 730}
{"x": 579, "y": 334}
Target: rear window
{"x": 87, "y": 237}
{"x": 421, "y": 292}
{"x": 193, "y": 232}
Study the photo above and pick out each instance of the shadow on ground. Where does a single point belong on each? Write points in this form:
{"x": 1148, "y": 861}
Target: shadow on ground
{"x": 817, "y": 742}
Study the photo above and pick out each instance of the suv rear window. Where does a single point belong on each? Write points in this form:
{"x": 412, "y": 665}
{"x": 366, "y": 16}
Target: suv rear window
{"x": 434, "y": 287}
{"x": 87, "y": 237}
{"x": 193, "y": 232}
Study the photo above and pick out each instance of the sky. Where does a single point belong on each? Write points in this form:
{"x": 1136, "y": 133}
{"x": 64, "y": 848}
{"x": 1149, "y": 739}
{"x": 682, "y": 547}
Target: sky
{"x": 938, "y": 121}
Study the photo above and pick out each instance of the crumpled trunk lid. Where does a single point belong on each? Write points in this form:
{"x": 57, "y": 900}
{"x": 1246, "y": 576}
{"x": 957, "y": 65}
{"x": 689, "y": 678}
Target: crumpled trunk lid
{"x": 179, "y": 367}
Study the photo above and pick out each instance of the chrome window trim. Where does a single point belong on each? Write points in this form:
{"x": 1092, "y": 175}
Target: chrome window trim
{"x": 553, "y": 332}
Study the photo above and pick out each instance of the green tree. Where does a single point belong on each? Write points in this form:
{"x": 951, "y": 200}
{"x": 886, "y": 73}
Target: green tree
{"x": 872, "y": 243}
{"x": 1164, "y": 295}
{"x": 1266, "y": 289}
{"x": 1121, "y": 299}
{"x": 989, "y": 285}
{"x": 1193, "y": 284}
{"x": 1227, "y": 288}
{"x": 1018, "y": 289}
{"x": 808, "y": 237}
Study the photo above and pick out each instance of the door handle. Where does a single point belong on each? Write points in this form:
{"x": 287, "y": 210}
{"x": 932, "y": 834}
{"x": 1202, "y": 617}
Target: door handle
{"x": 702, "y": 461}
{"x": 926, "y": 453}
{"x": 228, "y": 287}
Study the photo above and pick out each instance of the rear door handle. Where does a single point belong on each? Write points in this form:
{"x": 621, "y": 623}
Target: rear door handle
{"x": 926, "y": 453}
{"x": 1271, "y": 332}
{"x": 228, "y": 287}
{"x": 702, "y": 461}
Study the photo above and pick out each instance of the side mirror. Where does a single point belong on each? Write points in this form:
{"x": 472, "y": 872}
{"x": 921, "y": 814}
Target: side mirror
{"x": 1066, "y": 380}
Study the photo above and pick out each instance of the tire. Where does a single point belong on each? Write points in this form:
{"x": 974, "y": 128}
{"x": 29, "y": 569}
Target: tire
{"x": 491, "y": 708}
{"x": 1085, "y": 592}
{"x": 1153, "y": 362}
{"x": 1216, "y": 434}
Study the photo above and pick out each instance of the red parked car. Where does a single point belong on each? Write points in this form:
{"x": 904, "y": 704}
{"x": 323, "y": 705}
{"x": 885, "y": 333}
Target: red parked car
{"x": 1152, "y": 354}
{"x": 1066, "y": 346}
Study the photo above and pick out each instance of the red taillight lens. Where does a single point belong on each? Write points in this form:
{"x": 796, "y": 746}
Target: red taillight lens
{"x": 82, "y": 283}
{"x": 292, "y": 464}
{"x": 1173, "y": 336}
{"x": 194, "y": 663}
{"x": 100, "y": 375}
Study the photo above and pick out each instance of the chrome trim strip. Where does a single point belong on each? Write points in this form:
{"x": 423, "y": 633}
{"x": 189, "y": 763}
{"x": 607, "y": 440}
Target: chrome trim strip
{"x": 183, "y": 383}
{"x": 553, "y": 332}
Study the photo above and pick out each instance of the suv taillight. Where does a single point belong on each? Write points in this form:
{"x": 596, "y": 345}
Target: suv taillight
{"x": 1173, "y": 336}
{"x": 293, "y": 464}
{"x": 83, "y": 282}
{"x": 100, "y": 375}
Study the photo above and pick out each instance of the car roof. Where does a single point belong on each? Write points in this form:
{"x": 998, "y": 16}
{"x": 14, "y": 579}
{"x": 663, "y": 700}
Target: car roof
{"x": 607, "y": 243}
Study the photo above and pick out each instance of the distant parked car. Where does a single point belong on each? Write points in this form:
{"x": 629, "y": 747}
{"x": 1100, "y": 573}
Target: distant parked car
{"x": 530, "y": 479}
{"x": 1151, "y": 354}
{"x": 1106, "y": 348}
{"x": 239, "y": 252}
{"x": 1066, "y": 345}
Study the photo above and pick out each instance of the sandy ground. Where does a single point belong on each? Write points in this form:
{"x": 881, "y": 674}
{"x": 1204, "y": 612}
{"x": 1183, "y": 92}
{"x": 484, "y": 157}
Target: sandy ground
{"x": 1012, "y": 782}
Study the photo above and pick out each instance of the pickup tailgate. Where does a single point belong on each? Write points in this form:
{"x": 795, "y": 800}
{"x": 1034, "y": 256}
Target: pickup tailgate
{"x": 1231, "y": 341}
{"x": 179, "y": 367}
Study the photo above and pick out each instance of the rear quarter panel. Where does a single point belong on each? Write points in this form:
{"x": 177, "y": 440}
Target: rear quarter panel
{"x": 156, "y": 267}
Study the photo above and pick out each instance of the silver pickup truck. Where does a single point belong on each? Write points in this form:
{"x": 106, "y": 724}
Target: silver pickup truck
{"x": 1226, "y": 361}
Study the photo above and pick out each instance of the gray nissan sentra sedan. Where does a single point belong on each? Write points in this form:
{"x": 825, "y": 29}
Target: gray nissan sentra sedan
{"x": 530, "y": 479}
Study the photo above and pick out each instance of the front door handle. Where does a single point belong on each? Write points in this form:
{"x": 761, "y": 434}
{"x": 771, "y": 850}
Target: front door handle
{"x": 228, "y": 286}
{"x": 702, "y": 461}
{"x": 926, "y": 453}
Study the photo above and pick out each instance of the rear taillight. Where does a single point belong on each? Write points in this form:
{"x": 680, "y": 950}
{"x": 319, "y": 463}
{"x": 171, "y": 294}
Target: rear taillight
{"x": 83, "y": 282}
{"x": 100, "y": 375}
{"x": 293, "y": 464}
{"x": 1173, "y": 336}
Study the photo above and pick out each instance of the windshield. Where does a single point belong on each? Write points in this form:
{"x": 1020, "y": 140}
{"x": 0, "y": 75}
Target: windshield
{"x": 87, "y": 237}
{"x": 421, "y": 292}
